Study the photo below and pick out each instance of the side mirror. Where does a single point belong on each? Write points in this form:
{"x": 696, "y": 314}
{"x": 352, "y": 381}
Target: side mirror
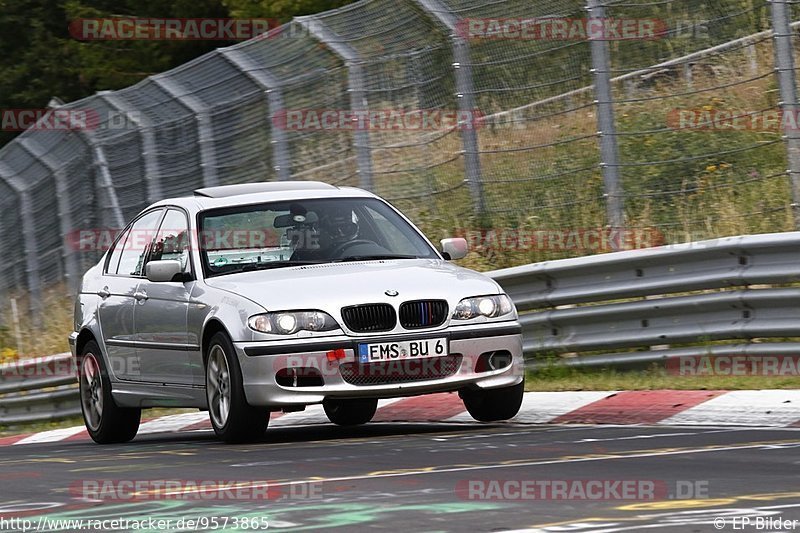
{"x": 164, "y": 270}
{"x": 455, "y": 248}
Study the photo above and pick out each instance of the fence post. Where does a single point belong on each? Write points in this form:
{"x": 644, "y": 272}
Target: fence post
{"x": 29, "y": 240}
{"x": 358, "y": 97}
{"x": 784, "y": 70}
{"x": 152, "y": 173}
{"x": 106, "y": 182}
{"x": 465, "y": 96}
{"x": 205, "y": 137}
{"x": 606, "y": 127}
{"x": 281, "y": 162}
{"x": 63, "y": 205}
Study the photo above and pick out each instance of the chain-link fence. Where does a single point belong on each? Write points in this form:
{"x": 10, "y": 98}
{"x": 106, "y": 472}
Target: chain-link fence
{"x": 528, "y": 127}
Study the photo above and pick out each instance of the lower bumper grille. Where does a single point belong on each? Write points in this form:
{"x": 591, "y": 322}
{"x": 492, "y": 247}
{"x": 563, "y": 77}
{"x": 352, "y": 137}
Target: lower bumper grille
{"x": 406, "y": 371}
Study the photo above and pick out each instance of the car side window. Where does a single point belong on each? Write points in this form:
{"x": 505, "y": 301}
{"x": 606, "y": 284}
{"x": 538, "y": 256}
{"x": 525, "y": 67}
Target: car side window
{"x": 172, "y": 240}
{"x": 137, "y": 244}
{"x": 116, "y": 252}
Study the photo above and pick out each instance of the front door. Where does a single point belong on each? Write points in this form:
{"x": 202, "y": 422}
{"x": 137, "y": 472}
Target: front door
{"x": 121, "y": 278}
{"x": 161, "y": 309}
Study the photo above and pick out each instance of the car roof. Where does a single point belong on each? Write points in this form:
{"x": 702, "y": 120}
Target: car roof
{"x": 225, "y": 191}
{"x": 261, "y": 192}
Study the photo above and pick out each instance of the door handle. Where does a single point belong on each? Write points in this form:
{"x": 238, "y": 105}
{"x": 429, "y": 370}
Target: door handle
{"x": 104, "y": 293}
{"x": 140, "y": 296}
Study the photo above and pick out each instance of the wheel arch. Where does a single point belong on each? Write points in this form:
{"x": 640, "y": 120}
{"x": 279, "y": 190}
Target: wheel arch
{"x": 84, "y": 337}
{"x": 211, "y": 328}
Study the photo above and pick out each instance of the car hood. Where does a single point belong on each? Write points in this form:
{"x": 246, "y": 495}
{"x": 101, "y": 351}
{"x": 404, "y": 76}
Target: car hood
{"x": 329, "y": 287}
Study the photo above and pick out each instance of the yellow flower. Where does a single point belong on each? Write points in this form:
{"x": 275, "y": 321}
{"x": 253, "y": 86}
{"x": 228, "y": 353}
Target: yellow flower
{"x": 708, "y": 108}
{"x": 711, "y": 168}
{"x": 7, "y": 355}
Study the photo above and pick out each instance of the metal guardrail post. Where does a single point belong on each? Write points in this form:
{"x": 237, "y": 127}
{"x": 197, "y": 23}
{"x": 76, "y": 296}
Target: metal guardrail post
{"x": 106, "y": 182}
{"x": 62, "y": 201}
{"x": 465, "y": 95}
{"x": 606, "y": 127}
{"x": 152, "y": 173}
{"x": 359, "y": 103}
{"x": 787, "y": 82}
{"x": 281, "y": 162}
{"x": 29, "y": 240}
{"x": 205, "y": 137}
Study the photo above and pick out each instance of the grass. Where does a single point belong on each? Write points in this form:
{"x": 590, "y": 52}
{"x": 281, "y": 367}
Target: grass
{"x": 50, "y": 339}
{"x": 36, "y": 427}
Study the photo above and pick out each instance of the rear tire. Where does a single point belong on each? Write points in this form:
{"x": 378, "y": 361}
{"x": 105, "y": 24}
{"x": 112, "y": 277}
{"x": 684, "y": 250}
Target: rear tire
{"x": 106, "y": 422}
{"x": 350, "y": 412}
{"x": 233, "y": 419}
{"x": 491, "y": 405}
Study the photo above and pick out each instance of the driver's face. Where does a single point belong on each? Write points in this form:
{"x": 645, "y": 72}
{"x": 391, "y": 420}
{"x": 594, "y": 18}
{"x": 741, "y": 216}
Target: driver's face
{"x": 339, "y": 227}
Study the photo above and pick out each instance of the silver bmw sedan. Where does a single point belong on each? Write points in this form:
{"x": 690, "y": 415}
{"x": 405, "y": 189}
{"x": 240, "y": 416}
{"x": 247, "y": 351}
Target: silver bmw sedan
{"x": 257, "y": 298}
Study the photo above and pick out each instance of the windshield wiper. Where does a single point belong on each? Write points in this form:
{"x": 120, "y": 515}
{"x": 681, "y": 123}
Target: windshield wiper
{"x": 373, "y": 257}
{"x": 266, "y": 265}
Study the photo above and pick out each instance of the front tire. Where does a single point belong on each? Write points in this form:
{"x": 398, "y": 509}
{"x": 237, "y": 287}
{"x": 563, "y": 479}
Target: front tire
{"x": 350, "y": 412}
{"x": 491, "y": 405}
{"x": 233, "y": 419}
{"x": 106, "y": 422}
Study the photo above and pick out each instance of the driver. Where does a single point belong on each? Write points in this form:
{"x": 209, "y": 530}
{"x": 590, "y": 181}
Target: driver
{"x": 324, "y": 231}
{"x": 336, "y": 227}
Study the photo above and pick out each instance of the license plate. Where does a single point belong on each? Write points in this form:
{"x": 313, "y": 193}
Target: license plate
{"x": 395, "y": 351}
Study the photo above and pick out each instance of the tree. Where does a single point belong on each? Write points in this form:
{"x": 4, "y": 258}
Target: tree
{"x": 40, "y": 60}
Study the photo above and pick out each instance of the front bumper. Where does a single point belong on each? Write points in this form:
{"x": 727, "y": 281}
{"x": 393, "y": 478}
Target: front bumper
{"x": 261, "y": 361}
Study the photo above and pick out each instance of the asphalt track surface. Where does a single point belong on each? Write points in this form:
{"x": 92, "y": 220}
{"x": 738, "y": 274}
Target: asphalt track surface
{"x": 416, "y": 477}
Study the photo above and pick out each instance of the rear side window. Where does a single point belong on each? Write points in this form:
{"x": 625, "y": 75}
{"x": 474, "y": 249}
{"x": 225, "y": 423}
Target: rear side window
{"x": 136, "y": 245}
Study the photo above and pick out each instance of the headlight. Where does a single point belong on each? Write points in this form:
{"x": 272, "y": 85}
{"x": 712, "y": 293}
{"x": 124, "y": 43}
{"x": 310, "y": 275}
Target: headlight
{"x": 488, "y": 306}
{"x": 288, "y": 322}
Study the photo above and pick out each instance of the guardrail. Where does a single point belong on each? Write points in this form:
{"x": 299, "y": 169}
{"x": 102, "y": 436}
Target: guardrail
{"x": 39, "y": 389}
{"x": 606, "y": 302}
{"x": 574, "y": 305}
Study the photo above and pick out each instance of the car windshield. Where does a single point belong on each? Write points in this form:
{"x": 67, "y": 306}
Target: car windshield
{"x": 299, "y": 232}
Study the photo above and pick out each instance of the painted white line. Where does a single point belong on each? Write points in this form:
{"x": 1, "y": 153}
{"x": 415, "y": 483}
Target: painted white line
{"x": 766, "y": 408}
{"x": 170, "y": 423}
{"x": 545, "y": 462}
{"x": 315, "y": 414}
{"x": 542, "y": 407}
{"x": 54, "y": 435}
